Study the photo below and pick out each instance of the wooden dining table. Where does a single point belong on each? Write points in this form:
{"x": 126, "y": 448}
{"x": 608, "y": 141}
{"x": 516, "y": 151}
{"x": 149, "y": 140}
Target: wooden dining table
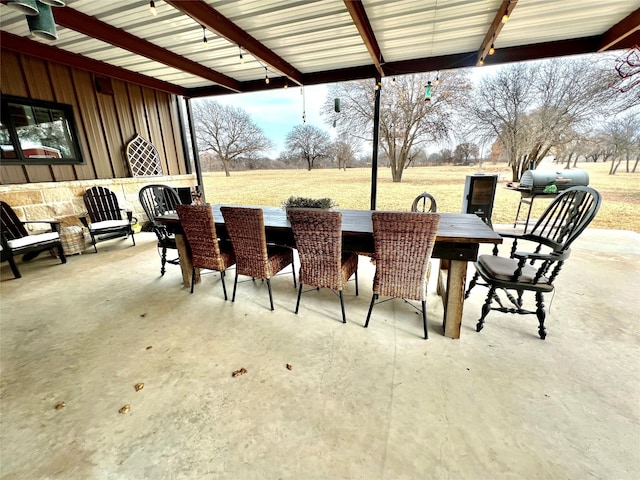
{"x": 458, "y": 241}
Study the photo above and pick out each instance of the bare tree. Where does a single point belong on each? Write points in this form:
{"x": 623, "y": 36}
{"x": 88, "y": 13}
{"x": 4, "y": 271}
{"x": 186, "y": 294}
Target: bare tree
{"x": 407, "y": 119}
{"x": 228, "y": 132}
{"x": 465, "y": 152}
{"x": 344, "y": 150}
{"x": 309, "y": 142}
{"x": 532, "y": 108}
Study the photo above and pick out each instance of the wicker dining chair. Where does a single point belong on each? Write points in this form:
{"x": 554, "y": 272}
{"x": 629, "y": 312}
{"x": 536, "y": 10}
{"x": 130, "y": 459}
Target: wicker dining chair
{"x": 156, "y": 200}
{"x": 207, "y": 251}
{"x": 318, "y": 236}
{"x": 421, "y": 201}
{"x": 403, "y": 243}
{"x": 254, "y": 258}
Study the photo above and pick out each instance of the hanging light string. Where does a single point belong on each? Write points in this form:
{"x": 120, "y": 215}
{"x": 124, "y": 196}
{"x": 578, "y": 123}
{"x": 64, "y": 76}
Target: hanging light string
{"x": 152, "y": 8}
{"x": 205, "y": 42}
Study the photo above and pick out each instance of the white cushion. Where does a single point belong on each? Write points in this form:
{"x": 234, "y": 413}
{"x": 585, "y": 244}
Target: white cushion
{"x": 108, "y": 224}
{"x": 33, "y": 239}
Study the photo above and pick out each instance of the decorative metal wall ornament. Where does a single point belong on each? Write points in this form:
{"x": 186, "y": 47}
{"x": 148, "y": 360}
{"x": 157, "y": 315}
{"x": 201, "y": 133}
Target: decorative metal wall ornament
{"x": 26, "y": 7}
{"x": 143, "y": 158}
{"x": 42, "y": 25}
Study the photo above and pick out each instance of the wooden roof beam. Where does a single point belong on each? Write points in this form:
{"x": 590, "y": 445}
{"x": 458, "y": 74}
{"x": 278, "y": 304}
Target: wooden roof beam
{"x": 361, "y": 21}
{"x": 94, "y": 28}
{"x": 223, "y": 27}
{"x": 496, "y": 26}
{"x": 23, "y": 45}
{"x": 625, "y": 27}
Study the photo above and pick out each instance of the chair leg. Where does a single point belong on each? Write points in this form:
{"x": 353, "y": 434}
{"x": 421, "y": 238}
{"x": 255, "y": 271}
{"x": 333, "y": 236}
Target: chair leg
{"x": 14, "y": 267}
{"x": 356, "y": 274}
{"x": 299, "y": 295}
{"x": 541, "y": 314}
{"x": 235, "y": 284}
{"x": 93, "y": 240}
{"x": 224, "y": 287}
{"x": 63, "y": 257}
{"x": 133, "y": 238}
{"x": 486, "y": 308}
{"x": 270, "y": 295}
{"x": 193, "y": 278}
{"x": 373, "y": 299}
{"x": 344, "y": 317}
{"x": 163, "y": 260}
{"x": 424, "y": 319}
{"x": 472, "y": 284}
{"x": 293, "y": 270}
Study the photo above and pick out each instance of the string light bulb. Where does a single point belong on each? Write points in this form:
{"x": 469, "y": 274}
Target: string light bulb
{"x": 205, "y": 42}
{"x": 286, "y": 83}
{"x": 266, "y": 76}
{"x": 481, "y": 62}
{"x": 152, "y": 8}
{"x": 492, "y": 50}
{"x": 437, "y": 82}
{"x": 393, "y": 81}
{"x": 505, "y": 17}
{"x": 241, "y": 56}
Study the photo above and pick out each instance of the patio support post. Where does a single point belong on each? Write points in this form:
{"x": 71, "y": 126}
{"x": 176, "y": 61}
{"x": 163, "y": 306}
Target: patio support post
{"x": 374, "y": 156}
{"x": 194, "y": 147}
{"x": 183, "y": 134}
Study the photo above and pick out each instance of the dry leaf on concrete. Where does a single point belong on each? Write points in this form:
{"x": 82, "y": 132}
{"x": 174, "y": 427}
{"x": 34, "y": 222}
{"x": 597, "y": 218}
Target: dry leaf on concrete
{"x": 242, "y": 371}
{"x": 139, "y": 386}
{"x": 289, "y": 366}
{"x": 125, "y": 409}
{"x": 60, "y": 405}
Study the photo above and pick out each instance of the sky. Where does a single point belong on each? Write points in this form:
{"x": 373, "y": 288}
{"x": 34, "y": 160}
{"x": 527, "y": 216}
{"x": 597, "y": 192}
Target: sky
{"x": 277, "y": 111}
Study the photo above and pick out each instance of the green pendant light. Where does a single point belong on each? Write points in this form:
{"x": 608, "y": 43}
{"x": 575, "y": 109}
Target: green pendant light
{"x": 43, "y": 26}
{"x": 26, "y": 7}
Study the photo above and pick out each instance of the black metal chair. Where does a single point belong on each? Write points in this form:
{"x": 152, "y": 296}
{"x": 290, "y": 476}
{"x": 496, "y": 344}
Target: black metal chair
{"x": 536, "y": 257}
{"x": 15, "y": 240}
{"x": 422, "y": 200}
{"x": 106, "y": 216}
{"x": 159, "y": 200}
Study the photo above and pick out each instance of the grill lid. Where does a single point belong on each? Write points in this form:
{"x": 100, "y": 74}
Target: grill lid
{"x": 537, "y": 180}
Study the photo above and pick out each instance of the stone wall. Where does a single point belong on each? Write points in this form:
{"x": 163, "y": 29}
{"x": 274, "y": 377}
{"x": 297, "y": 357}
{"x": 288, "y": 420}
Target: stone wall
{"x": 63, "y": 201}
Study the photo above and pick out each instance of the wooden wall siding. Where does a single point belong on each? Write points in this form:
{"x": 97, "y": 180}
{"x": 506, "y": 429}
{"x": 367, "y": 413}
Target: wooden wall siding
{"x": 106, "y": 123}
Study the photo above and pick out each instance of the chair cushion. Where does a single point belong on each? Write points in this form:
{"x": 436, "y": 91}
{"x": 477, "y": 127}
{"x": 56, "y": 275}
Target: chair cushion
{"x": 33, "y": 240}
{"x": 502, "y": 268}
{"x": 108, "y": 224}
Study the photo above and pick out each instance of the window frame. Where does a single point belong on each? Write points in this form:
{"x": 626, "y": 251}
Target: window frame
{"x": 8, "y": 122}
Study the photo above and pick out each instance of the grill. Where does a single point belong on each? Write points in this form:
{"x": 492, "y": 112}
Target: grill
{"x": 546, "y": 183}
{"x": 535, "y": 182}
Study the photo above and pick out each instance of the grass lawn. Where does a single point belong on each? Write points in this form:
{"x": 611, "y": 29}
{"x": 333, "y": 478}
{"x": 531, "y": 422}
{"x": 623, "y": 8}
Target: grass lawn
{"x": 352, "y": 188}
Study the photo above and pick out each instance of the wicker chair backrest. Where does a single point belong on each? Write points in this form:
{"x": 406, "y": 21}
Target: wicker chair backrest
{"x": 245, "y": 227}
{"x": 403, "y": 243}
{"x": 200, "y": 229}
{"x": 318, "y": 236}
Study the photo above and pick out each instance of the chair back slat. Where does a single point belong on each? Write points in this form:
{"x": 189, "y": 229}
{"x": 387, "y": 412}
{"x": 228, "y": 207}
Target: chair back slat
{"x": 403, "y": 243}
{"x": 102, "y": 204}
{"x": 567, "y": 216}
{"x": 318, "y": 237}
{"x": 200, "y": 229}
{"x": 158, "y": 200}
{"x": 245, "y": 227}
{"x": 10, "y": 224}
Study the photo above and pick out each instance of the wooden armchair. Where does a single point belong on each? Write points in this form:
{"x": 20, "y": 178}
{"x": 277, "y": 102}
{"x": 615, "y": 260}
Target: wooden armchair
{"x": 105, "y": 216}
{"x": 15, "y": 240}
{"x": 536, "y": 257}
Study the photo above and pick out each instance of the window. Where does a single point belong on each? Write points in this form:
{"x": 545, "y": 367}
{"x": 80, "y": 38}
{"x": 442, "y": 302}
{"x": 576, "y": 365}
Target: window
{"x": 35, "y": 132}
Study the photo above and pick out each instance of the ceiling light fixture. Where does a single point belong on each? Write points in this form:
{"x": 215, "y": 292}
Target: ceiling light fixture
{"x": 152, "y": 8}
{"x": 205, "y": 42}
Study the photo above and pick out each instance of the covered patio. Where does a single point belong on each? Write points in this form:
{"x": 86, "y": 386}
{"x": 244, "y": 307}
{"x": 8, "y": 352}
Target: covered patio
{"x": 375, "y": 403}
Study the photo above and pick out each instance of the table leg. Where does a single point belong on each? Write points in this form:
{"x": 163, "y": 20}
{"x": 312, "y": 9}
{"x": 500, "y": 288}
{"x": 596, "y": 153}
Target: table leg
{"x": 185, "y": 261}
{"x": 453, "y": 298}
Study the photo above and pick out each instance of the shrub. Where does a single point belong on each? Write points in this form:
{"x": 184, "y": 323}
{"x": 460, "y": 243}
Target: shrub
{"x": 305, "y": 202}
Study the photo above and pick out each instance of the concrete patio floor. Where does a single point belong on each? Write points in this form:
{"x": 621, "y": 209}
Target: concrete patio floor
{"x": 376, "y": 403}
